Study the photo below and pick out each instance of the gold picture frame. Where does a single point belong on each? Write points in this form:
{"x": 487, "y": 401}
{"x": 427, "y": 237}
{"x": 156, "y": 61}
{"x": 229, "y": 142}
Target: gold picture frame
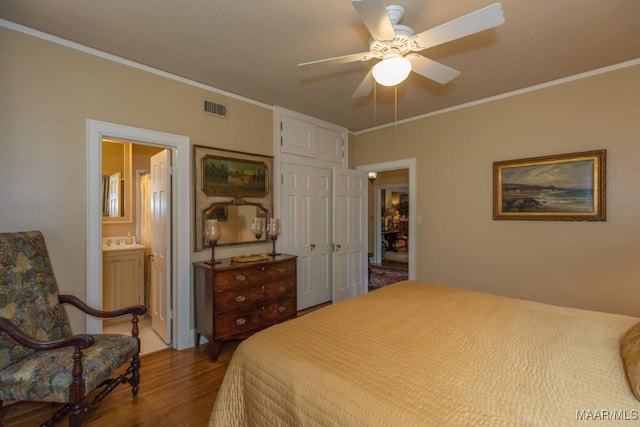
{"x": 563, "y": 187}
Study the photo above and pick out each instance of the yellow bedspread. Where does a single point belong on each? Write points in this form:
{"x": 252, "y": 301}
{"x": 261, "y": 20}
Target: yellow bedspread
{"x": 417, "y": 354}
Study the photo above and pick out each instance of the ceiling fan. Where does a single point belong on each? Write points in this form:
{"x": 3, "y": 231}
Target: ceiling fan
{"x": 395, "y": 44}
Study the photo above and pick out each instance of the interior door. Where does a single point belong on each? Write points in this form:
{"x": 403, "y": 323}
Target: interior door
{"x": 160, "y": 300}
{"x": 349, "y": 233}
{"x": 306, "y": 205}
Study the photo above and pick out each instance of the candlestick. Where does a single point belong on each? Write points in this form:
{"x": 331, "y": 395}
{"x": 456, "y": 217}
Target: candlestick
{"x": 273, "y": 230}
{"x": 258, "y": 226}
{"x": 212, "y": 233}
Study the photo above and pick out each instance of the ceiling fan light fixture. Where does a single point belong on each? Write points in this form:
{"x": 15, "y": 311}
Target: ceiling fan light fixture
{"x": 392, "y": 70}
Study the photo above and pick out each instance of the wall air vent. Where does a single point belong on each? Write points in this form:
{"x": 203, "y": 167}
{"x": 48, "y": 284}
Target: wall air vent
{"x": 219, "y": 110}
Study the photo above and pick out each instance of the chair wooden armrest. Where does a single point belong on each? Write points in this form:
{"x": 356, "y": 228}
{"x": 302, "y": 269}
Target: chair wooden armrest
{"x": 79, "y": 341}
{"x": 137, "y": 310}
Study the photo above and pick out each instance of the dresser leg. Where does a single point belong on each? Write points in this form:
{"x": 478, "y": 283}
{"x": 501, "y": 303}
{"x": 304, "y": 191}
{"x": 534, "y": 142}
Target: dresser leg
{"x": 214, "y": 350}
{"x": 197, "y": 339}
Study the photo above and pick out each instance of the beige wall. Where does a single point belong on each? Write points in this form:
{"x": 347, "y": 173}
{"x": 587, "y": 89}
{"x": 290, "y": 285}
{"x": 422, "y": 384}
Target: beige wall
{"x": 593, "y": 265}
{"x": 47, "y": 91}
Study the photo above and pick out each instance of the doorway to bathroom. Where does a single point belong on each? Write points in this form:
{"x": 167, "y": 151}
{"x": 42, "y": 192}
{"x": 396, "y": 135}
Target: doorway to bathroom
{"x": 136, "y": 236}
{"x": 177, "y": 239}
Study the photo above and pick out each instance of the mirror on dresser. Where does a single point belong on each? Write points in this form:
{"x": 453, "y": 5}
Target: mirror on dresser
{"x": 235, "y": 217}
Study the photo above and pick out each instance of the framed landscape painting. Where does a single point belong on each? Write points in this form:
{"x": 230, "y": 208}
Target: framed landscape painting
{"x": 564, "y": 187}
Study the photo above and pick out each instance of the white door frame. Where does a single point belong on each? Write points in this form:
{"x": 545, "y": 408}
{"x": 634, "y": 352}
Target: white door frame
{"x": 181, "y": 234}
{"x": 411, "y": 165}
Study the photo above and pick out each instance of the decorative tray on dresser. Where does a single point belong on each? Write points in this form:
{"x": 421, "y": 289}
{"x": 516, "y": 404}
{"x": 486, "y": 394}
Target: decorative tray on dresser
{"x": 236, "y": 299}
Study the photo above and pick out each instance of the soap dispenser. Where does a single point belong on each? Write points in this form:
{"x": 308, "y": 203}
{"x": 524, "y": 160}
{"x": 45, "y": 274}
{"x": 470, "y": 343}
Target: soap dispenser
{"x": 128, "y": 240}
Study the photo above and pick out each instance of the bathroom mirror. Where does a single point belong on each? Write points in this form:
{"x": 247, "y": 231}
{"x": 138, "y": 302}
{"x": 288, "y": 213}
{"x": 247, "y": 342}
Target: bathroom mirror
{"x": 116, "y": 181}
{"x": 235, "y": 217}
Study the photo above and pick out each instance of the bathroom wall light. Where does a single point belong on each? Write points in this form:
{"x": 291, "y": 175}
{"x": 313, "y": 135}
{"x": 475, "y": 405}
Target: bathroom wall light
{"x": 372, "y": 176}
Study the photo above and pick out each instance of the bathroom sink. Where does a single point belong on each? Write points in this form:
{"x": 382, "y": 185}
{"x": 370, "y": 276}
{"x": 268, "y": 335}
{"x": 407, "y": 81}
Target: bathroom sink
{"x": 121, "y": 247}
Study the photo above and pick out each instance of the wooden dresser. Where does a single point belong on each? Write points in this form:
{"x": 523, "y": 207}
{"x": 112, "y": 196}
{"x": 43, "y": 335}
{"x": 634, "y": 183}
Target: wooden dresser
{"x": 234, "y": 300}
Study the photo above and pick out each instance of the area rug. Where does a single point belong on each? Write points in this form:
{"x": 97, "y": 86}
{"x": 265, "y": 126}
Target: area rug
{"x": 381, "y": 276}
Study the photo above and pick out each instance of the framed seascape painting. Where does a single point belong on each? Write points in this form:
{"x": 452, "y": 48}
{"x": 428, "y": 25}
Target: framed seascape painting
{"x": 564, "y": 187}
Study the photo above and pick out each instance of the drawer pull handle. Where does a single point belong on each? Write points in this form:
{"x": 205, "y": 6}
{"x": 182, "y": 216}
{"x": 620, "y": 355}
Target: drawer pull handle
{"x": 241, "y": 321}
{"x": 282, "y": 308}
{"x": 282, "y": 270}
{"x": 282, "y": 289}
{"x": 240, "y": 298}
{"x": 240, "y": 277}
{"x": 262, "y": 269}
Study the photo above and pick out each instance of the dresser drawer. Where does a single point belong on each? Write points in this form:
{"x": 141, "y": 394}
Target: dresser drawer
{"x": 255, "y": 317}
{"x": 247, "y": 296}
{"x": 254, "y": 275}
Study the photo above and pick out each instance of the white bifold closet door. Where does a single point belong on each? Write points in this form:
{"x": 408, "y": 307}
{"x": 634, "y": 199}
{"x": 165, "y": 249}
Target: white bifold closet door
{"x": 349, "y": 233}
{"x": 331, "y": 259}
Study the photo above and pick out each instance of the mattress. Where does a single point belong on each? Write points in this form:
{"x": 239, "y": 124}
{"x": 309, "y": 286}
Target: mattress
{"x": 418, "y": 354}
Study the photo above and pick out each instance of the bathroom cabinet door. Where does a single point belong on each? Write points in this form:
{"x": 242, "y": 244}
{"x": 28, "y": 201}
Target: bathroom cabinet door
{"x": 122, "y": 279}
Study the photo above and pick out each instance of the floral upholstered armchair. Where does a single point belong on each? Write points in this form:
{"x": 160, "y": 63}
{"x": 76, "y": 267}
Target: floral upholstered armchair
{"x": 40, "y": 358}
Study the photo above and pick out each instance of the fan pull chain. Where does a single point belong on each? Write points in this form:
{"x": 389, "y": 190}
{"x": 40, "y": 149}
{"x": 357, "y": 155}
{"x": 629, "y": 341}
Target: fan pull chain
{"x": 375, "y": 99}
{"x": 395, "y": 110}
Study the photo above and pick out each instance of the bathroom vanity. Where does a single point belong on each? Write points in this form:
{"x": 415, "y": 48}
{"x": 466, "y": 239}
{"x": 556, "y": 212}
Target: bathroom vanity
{"x": 122, "y": 276}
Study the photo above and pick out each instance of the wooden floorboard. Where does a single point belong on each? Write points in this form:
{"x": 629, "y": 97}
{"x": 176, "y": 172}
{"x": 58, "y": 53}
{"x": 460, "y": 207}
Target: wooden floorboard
{"x": 178, "y": 388}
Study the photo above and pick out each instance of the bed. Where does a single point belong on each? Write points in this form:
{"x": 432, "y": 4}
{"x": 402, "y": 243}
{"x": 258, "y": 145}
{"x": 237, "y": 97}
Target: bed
{"x": 414, "y": 354}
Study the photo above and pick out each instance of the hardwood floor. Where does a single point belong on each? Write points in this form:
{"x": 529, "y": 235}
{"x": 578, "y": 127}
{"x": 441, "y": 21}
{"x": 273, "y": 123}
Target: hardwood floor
{"x": 177, "y": 388}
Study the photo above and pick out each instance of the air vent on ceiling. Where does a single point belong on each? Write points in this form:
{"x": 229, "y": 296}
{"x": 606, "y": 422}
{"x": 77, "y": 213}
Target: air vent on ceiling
{"x": 216, "y": 109}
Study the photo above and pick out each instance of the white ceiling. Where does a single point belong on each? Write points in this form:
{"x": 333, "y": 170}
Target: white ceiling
{"x": 252, "y": 48}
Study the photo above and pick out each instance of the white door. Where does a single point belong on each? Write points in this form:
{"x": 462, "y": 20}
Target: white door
{"x": 160, "y": 301}
{"x": 349, "y": 233}
{"x": 297, "y": 137}
{"x": 329, "y": 144}
{"x": 306, "y": 207}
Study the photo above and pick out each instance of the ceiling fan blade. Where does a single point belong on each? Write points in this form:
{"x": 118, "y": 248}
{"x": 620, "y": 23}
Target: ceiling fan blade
{"x": 364, "y": 56}
{"x": 431, "y": 69}
{"x": 375, "y": 18}
{"x": 480, "y": 20}
{"x": 365, "y": 86}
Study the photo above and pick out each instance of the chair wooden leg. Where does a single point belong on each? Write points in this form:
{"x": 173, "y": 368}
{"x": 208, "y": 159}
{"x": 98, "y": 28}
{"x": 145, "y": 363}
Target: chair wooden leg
{"x": 135, "y": 374}
{"x": 76, "y": 417}
{"x": 76, "y": 391}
